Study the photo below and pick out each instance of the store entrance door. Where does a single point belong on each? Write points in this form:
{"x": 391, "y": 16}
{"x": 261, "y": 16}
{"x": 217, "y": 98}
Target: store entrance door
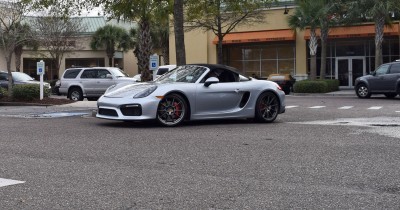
{"x": 348, "y": 69}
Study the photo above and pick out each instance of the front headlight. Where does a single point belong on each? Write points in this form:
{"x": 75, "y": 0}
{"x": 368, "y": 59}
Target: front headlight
{"x": 145, "y": 92}
{"x": 110, "y": 88}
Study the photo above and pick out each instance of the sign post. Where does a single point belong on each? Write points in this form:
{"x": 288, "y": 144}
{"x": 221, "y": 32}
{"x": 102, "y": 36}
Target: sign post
{"x": 40, "y": 71}
{"x": 154, "y": 64}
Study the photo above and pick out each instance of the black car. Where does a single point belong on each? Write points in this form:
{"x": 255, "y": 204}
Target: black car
{"x": 384, "y": 80}
{"x": 286, "y": 81}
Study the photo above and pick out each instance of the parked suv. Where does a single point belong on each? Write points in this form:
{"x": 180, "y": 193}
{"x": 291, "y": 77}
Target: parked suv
{"x": 91, "y": 82}
{"x": 384, "y": 80}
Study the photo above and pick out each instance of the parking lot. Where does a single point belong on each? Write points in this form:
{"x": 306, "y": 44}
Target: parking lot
{"x": 336, "y": 152}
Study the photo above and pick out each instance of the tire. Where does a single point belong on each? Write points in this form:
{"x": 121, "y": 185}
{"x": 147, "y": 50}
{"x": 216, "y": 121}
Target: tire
{"x": 362, "y": 91}
{"x": 390, "y": 95}
{"x": 76, "y": 94}
{"x": 171, "y": 110}
{"x": 267, "y": 107}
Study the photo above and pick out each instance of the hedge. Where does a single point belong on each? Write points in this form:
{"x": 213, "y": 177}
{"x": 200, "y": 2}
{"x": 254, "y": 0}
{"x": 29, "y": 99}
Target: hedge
{"x": 316, "y": 86}
{"x": 28, "y": 92}
{"x": 3, "y": 92}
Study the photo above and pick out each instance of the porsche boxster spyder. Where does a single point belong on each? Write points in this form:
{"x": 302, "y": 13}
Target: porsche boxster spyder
{"x": 194, "y": 92}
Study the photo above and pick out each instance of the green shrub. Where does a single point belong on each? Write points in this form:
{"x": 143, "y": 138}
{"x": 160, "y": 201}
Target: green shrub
{"x": 333, "y": 84}
{"x": 28, "y": 92}
{"x": 316, "y": 86}
{"x": 3, "y": 92}
{"x": 309, "y": 86}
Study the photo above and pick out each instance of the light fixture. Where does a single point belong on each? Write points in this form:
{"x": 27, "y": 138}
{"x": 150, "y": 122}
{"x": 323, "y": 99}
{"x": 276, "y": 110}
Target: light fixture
{"x": 286, "y": 10}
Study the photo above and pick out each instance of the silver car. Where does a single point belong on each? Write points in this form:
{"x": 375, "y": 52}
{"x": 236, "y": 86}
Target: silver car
{"x": 91, "y": 82}
{"x": 194, "y": 92}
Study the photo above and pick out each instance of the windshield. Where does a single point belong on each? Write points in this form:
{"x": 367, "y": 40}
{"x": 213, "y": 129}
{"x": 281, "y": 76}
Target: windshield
{"x": 19, "y": 76}
{"x": 188, "y": 74}
{"x": 118, "y": 72}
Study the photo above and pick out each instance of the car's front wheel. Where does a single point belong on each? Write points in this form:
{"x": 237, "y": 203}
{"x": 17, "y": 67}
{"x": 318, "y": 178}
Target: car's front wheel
{"x": 267, "y": 107}
{"x": 390, "y": 95}
{"x": 171, "y": 110}
{"x": 76, "y": 94}
{"x": 362, "y": 91}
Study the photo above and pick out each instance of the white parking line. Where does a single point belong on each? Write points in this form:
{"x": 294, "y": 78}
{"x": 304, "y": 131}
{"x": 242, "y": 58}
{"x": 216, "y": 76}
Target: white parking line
{"x": 346, "y": 107}
{"x": 289, "y": 107}
{"x": 375, "y": 107}
{"x": 316, "y": 107}
{"x": 6, "y": 182}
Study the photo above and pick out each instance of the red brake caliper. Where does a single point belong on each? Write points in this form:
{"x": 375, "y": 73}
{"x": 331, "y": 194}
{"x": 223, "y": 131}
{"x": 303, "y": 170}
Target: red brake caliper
{"x": 178, "y": 109}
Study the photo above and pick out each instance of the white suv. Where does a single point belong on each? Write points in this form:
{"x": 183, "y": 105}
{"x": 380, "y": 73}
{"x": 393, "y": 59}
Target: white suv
{"x": 90, "y": 82}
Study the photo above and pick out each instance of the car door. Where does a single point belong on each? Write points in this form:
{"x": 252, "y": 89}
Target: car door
{"x": 392, "y": 77}
{"x": 377, "y": 82}
{"x": 88, "y": 81}
{"x": 104, "y": 81}
{"x": 217, "y": 99}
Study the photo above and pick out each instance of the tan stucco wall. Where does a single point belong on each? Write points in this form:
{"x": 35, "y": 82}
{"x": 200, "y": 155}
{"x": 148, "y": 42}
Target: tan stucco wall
{"x": 201, "y": 49}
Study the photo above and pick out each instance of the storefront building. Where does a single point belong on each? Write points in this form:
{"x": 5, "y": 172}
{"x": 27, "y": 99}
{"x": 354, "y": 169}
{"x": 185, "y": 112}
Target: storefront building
{"x": 271, "y": 46}
{"x": 82, "y": 54}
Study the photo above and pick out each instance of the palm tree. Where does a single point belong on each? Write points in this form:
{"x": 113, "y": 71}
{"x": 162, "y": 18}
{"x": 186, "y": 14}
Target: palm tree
{"x": 380, "y": 12}
{"x": 111, "y": 38}
{"x": 179, "y": 32}
{"x": 308, "y": 14}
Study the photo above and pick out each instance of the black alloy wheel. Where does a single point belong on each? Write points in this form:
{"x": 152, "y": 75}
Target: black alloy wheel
{"x": 171, "y": 110}
{"x": 267, "y": 107}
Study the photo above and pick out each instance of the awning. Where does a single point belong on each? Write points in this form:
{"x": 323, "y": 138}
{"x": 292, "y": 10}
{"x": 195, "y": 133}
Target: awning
{"x": 357, "y": 31}
{"x": 257, "y": 36}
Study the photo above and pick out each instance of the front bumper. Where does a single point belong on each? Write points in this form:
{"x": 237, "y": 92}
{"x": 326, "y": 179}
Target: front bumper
{"x": 127, "y": 108}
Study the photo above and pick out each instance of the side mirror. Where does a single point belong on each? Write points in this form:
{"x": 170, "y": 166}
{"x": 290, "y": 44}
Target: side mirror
{"x": 109, "y": 76}
{"x": 211, "y": 80}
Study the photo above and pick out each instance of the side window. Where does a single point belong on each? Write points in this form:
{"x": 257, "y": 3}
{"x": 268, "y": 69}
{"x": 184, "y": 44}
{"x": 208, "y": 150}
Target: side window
{"x": 71, "y": 73}
{"x": 382, "y": 70}
{"x": 89, "y": 74}
{"x": 395, "y": 68}
{"x": 102, "y": 73}
{"x": 3, "y": 76}
{"x": 162, "y": 71}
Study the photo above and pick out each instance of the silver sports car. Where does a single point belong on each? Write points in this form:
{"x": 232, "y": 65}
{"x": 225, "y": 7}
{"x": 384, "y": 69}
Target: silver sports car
{"x": 194, "y": 92}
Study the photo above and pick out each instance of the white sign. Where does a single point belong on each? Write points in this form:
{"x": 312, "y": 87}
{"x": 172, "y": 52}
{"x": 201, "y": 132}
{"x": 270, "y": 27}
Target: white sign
{"x": 154, "y": 62}
{"x": 40, "y": 71}
{"x": 40, "y": 68}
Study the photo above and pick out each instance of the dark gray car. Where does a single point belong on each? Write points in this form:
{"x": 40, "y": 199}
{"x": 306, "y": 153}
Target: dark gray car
{"x": 19, "y": 78}
{"x": 384, "y": 80}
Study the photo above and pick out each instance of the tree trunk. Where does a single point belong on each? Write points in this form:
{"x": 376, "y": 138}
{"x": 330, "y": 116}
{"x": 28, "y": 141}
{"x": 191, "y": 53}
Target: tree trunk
{"x": 179, "y": 33}
{"x": 220, "y": 39}
{"x": 10, "y": 80}
{"x": 379, "y": 27}
{"x": 144, "y": 49}
{"x": 18, "y": 54}
{"x": 324, "y": 38}
{"x": 313, "y": 51}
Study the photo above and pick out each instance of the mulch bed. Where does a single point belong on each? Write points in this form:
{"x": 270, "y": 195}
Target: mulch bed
{"x": 44, "y": 101}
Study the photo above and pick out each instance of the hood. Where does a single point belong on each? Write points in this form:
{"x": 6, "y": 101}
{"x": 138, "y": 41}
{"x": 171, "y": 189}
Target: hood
{"x": 31, "y": 82}
{"x": 128, "y": 89}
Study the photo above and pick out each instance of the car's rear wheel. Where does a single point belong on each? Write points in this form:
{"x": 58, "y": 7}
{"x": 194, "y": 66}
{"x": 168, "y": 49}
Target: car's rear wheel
{"x": 76, "y": 94}
{"x": 362, "y": 91}
{"x": 171, "y": 110}
{"x": 390, "y": 95}
{"x": 267, "y": 107}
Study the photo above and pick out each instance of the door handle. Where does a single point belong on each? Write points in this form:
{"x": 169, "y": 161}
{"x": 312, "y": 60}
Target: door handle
{"x": 237, "y": 90}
